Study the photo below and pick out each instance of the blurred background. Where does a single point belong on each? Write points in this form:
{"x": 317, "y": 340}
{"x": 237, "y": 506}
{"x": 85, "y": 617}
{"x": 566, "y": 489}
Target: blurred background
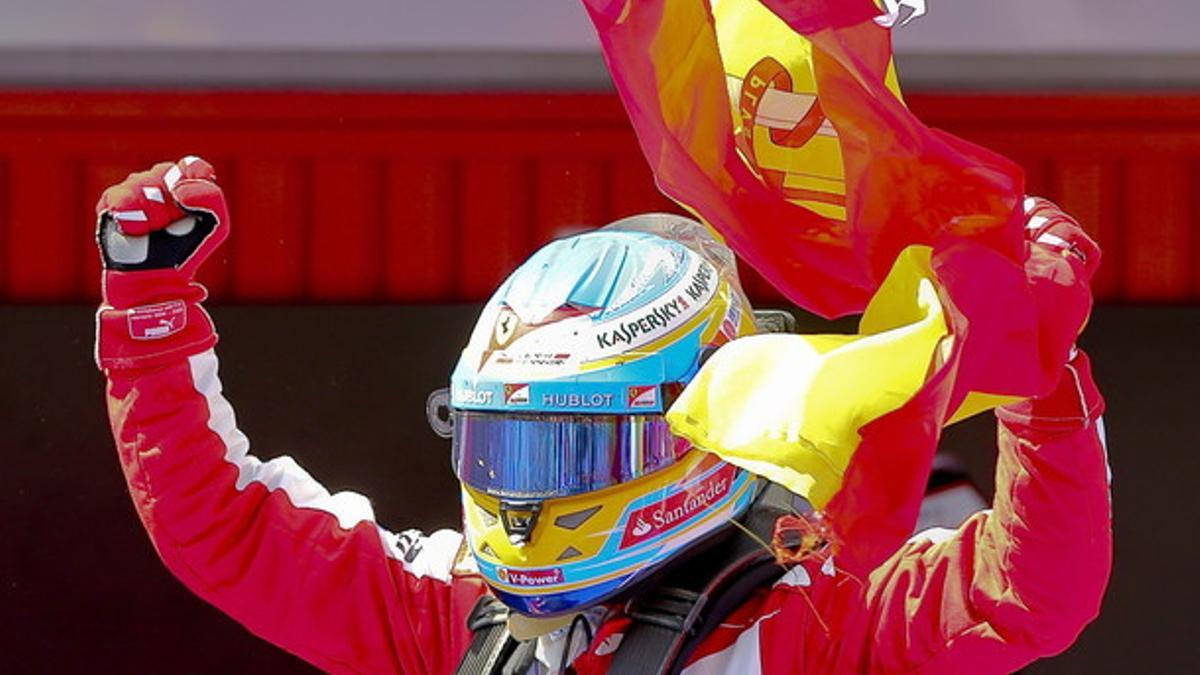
{"x": 389, "y": 161}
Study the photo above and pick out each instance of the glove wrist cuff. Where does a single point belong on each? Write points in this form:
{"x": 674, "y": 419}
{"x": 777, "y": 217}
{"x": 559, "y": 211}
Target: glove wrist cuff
{"x": 123, "y": 290}
{"x": 152, "y": 334}
{"x": 1073, "y": 404}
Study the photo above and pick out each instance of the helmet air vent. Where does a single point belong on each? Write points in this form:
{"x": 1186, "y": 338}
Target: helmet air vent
{"x": 571, "y": 521}
{"x": 489, "y": 519}
{"x": 568, "y": 553}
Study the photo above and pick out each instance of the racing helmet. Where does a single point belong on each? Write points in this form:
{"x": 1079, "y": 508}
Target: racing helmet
{"x": 573, "y": 487}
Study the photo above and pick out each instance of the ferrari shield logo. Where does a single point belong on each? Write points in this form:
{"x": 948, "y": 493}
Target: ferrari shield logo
{"x": 506, "y": 327}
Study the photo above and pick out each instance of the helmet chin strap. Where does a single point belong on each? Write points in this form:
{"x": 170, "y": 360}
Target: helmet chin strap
{"x": 523, "y": 627}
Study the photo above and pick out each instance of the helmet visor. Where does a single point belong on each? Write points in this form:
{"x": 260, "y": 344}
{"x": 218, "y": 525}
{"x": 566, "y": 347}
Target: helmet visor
{"x": 544, "y": 456}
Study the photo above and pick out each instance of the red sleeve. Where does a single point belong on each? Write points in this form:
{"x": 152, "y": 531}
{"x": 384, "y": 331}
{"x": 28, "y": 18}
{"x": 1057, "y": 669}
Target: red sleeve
{"x": 1019, "y": 582}
{"x": 267, "y": 544}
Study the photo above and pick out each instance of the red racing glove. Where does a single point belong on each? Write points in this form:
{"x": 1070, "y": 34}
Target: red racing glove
{"x": 1062, "y": 261}
{"x": 154, "y": 230}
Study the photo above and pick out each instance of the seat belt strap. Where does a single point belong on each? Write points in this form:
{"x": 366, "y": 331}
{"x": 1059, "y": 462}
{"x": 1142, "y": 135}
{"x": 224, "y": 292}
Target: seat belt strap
{"x": 491, "y": 644}
{"x": 671, "y": 619}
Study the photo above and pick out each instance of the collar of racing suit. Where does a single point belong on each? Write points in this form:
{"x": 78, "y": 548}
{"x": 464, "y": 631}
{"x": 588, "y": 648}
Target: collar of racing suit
{"x": 549, "y": 650}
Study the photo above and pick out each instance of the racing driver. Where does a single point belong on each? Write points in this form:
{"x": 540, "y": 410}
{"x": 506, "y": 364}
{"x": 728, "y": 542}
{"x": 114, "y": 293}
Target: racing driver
{"x": 576, "y": 496}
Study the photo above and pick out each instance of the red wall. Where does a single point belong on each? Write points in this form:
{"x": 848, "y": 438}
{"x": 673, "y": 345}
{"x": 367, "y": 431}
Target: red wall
{"x": 411, "y": 198}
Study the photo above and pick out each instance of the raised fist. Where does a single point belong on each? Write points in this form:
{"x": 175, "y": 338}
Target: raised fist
{"x": 154, "y": 230}
{"x": 172, "y": 216}
{"x": 1061, "y": 261}
{"x": 1052, "y": 230}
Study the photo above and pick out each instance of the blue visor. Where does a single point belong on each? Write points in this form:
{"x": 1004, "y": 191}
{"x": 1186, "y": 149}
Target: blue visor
{"x": 543, "y": 456}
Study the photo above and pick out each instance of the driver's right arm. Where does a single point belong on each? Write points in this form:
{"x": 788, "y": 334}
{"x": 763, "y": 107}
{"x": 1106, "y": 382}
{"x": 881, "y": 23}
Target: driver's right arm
{"x": 263, "y": 541}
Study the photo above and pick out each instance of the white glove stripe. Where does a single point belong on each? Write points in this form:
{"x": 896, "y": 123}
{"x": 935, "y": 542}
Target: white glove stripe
{"x": 1053, "y": 240}
{"x": 139, "y": 215}
{"x": 172, "y": 176}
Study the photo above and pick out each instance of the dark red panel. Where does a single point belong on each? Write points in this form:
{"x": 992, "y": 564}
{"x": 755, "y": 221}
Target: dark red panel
{"x": 1158, "y": 246}
{"x": 5, "y": 224}
{"x": 421, "y": 217}
{"x": 497, "y": 230}
{"x": 1192, "y": 217}
{"x": 434, "y": 197}
{"x": 345, "y": 230}
{"x": 570, "y": 196}
{"x": 632, "y": 190}
{"x": 270, "y": 210}
{"x": 1037, "y": 173}
{"x": 43, "y": 235}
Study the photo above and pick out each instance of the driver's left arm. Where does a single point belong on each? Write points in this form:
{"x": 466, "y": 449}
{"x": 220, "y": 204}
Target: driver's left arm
{"x": 1018, "y": 582}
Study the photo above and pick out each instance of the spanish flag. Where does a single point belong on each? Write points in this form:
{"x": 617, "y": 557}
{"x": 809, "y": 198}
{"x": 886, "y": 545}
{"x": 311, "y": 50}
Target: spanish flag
{"x": 781, "y": 125}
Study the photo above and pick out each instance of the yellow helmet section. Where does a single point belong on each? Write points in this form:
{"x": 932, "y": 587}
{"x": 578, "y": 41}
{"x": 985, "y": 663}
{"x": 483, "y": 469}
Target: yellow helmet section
{"x": 594, "y": 544}
{"x": 568, "y": 529}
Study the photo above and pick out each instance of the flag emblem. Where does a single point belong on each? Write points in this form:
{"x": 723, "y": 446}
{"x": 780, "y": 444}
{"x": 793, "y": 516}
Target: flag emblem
{"x": 516, "y": 394}
{"x": 643, "y": 396}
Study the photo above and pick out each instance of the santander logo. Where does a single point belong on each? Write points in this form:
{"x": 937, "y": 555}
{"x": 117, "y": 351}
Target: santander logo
{"x": 678, "y": 508}
{"x": 641, "y": 528}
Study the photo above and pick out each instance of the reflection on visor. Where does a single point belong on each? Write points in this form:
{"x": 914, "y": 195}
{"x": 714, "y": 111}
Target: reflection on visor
{"x": 542, "y": 456}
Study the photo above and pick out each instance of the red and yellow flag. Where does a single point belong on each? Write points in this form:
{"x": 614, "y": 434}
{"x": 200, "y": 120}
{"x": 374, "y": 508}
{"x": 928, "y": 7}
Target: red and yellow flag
{"x": 781, "y": 125}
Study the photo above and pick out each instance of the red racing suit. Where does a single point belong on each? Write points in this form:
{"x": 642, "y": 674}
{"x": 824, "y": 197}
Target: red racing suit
{"x": 313, "y": 572}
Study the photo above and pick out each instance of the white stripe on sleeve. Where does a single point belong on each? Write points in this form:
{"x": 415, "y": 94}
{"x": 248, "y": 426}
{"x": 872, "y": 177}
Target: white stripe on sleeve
{"x": 420, "y": 555}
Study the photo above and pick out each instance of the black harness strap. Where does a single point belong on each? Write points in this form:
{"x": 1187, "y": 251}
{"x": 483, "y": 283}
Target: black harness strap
{"x": 687, "y": 604}
{"x": 492, "y": 645}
